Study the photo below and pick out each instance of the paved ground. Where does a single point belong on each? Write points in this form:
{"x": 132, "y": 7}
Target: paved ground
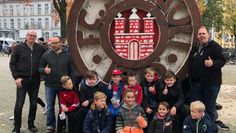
{"x": 7, "y": 99}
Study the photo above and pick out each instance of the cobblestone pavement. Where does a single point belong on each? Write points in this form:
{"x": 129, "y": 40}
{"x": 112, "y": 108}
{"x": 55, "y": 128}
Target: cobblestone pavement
{"x": 7, "y": 100}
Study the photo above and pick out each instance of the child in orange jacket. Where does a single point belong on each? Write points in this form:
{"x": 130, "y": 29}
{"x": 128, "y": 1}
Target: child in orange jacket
{"x": 131, "y": 117}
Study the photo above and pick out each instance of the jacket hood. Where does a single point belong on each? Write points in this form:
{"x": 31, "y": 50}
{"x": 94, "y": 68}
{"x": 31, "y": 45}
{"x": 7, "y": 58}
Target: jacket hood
{"x": 95, "y": 83}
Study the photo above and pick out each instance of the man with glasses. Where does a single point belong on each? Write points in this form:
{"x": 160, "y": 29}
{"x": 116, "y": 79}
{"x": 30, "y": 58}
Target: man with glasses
{"x": 24, "y": 64}
{"x": 54, "y": 64}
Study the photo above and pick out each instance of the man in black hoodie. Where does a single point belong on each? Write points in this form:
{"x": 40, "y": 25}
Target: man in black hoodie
{"x": 206, "y": 61}
{"x": 54, "y": 64}
{"x": 24, "y": 68}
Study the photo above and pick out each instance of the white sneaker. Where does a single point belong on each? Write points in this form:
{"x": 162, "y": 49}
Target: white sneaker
{"x": 11, "y": 118}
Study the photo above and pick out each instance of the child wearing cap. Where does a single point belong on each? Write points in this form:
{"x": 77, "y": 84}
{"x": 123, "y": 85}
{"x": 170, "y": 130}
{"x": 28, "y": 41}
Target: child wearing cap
{"x": 114, "y": 94}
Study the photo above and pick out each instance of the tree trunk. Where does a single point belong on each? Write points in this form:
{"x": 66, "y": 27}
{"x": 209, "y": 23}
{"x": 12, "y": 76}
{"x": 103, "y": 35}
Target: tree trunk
{"x": 63, "y": 25}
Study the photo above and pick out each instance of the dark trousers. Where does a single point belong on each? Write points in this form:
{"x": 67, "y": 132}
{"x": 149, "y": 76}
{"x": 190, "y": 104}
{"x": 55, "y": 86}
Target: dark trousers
{"x": 80, "y": 119}
{"x": 150, "y": 117}
{"x": 30, "y": 86}
{"x": 71, "y": 120}
{"x": 208, "y": 95}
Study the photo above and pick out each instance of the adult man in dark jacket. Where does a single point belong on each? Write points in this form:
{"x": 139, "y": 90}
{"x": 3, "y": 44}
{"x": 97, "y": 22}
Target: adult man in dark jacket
{"x": 54, "y": 64}
{"x": 205, "y": 74}
{"x": 24, "y": 68}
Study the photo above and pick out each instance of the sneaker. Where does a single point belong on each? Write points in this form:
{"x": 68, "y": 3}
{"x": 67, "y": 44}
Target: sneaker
{"x": 221, "y": 125}
{"x": 15, "y": 130}
{"x": 11, "y": 118}
{"x": 33, "y": 128}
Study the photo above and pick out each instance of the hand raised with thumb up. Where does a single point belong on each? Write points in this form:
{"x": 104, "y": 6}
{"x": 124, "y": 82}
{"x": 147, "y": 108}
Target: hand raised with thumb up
{"x": 141, "y": 121}
{"x": 165, "y": 91}
{"x": 208, "y": 62}
{"x": 47, "y": 69}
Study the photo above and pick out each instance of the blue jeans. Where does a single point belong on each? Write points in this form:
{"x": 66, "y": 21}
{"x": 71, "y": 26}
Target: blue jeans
{"x": 206, "y": 94}
{"x": 50, "y": 94}
{"x": 209, "y": 99}
{"x": 31, "y": 86}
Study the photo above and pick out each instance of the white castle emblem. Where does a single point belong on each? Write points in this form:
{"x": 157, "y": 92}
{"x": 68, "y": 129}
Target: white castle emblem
{"x": 134, "y": 45}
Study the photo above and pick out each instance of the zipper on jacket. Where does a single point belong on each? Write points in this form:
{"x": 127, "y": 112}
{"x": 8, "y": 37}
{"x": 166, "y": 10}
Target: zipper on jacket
{"x": 130, "y": 116}
{"x": 31, "y": 67}
{"x": 163, "y": 129}
{"x": 197, "y": 125}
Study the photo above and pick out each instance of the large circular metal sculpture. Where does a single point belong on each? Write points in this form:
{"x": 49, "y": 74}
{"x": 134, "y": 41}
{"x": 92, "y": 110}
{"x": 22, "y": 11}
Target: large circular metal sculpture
{"x": 132, "y": 34}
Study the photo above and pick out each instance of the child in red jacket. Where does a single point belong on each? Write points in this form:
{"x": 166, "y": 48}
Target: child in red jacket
{"x": 69, "y": 103}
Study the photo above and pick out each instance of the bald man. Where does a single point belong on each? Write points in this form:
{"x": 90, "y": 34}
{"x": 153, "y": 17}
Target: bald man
{"x": 24, "y": 64}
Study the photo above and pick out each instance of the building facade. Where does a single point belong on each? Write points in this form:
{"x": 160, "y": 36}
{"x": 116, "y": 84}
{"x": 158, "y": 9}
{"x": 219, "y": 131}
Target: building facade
{"x": 17, "y": 17}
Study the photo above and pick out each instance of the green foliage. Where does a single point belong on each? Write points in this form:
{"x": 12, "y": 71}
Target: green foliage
{"x": 230, "y": 16}
{"x": 213, "y": 15}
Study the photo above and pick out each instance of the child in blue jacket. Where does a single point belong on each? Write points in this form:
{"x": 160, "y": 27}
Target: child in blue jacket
{"x": 98, "y": 119}
{"x": 199, "y": 121}
{"x": 114, "y": 92}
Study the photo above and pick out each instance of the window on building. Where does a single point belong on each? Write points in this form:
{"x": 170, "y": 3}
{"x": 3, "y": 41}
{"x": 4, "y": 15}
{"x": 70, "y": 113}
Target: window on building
{"x": 39, "y": 9}
{"x": 4, "y": 10}
{"x": 55, "y": 34}
{"x": 25, "y": 10}
{"x": 18, "y": 9}
{"x": 12, "y": 23}
{"x": 39, "y": 23}
{"x": 0, "y": 24}
{"x": 46, "y": 23}
{"x": 46, "y": 9}
{"x": 26, "y": 25}
{"x": 46, "y": 35}
{"x": 32, "y": 23}
{"x": 19, "y": 23}
{"x": 32, "y": 9}
{"x": 11, "y": 9}
{"x": 5, "y": 23}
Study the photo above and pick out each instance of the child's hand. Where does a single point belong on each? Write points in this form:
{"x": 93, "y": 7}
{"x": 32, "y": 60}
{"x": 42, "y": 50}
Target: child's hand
{"x": 165, "y": 91}
{"x": 148, "y": 110}
{"x": 151, "y": 88}
{"x": 173, "y": 111}
{"x": 116, "y": 104}
{"x": 109, "y": 86}
{"x": 120, "y": 131}
{"x": 85, "y": 103}
{"x": 126, "y": 87}
{"x": 64, "y": 109}
{"x": 141, "y": 121}
{"x": 168, "y": 123}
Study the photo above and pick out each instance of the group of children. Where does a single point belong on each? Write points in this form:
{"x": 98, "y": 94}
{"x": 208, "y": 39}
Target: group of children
{"x": 149, "y": 107}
